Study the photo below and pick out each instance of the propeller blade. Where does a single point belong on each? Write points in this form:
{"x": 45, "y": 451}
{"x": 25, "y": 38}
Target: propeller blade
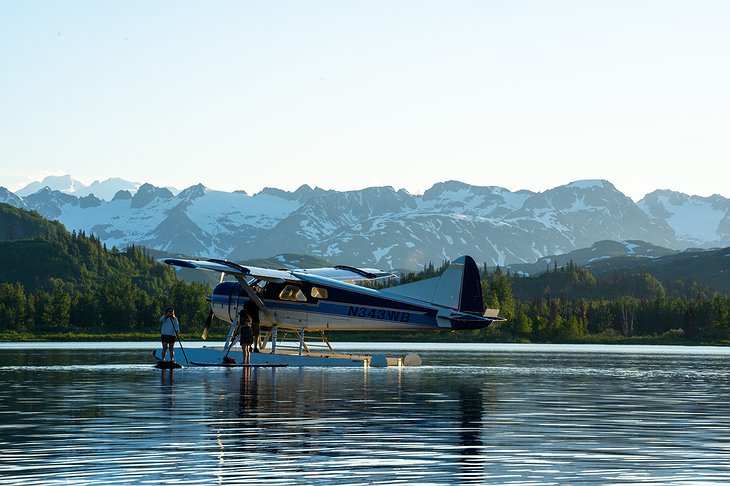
{"x": 208, "y": 322}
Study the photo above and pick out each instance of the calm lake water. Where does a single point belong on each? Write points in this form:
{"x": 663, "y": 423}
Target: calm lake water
{"x": 99, "y": 413}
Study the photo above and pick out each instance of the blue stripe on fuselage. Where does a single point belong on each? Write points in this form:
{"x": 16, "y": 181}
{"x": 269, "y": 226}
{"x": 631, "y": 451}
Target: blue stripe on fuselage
{"x": 363, "y": 304}
{"x": 345, "y": 310}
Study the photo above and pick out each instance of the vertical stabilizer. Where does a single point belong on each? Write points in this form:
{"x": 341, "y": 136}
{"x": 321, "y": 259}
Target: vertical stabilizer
{"x": 458, "y": 288}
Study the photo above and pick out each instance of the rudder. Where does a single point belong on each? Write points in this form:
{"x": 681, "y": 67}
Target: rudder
{"x": 458, "y": 288}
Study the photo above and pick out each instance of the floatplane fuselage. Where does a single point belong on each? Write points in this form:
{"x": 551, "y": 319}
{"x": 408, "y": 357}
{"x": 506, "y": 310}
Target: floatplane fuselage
{"x": 327, "y": 299}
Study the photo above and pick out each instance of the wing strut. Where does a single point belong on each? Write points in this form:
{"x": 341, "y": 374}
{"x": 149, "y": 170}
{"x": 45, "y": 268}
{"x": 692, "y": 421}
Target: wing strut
{"x": 257, "y": 300}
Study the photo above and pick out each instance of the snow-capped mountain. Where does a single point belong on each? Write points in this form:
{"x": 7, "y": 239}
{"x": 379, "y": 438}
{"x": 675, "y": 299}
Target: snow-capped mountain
{"x": 8, "y": 197}
{"x": 597, "y": 253}
{"x": 396, "y": 229}
{"x": 384, "y": 227}
{"x": 66, "y": 184}
{"x": 697, "y": 221}
{"x": 106, "y": 189}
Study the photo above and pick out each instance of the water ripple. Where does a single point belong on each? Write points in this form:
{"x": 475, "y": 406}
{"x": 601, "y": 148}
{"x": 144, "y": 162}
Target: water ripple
{"x": 502, "y": 417}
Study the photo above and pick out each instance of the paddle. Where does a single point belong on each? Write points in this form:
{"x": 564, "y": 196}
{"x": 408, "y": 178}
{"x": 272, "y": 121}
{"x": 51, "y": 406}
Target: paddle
{"x": 181, "y": 347}
{"x": 226, "y": 359}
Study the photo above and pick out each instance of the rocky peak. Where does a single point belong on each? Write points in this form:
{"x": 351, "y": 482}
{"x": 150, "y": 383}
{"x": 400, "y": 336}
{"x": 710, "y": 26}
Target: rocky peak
{"x": 49, "y": 202}
{"x": 579, "y": 195}
{"x": 280, "y": 193}
{"x": 122, "y": 195}
{"x": 440, "y": 188}
{"x": 148, "y": 193}
{"x": 192, "y": 192}
{"x": 11, "y": 198}
{"x": 89, "y": 201}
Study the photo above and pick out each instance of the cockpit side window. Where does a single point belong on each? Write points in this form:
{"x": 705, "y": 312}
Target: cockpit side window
{"x": 258, "y": 286}
{"x": 319, "y": 293}
{"x": 292, "y": 293}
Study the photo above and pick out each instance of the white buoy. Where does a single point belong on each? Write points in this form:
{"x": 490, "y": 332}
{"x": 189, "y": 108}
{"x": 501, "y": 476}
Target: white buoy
{"x": 412, "y": 359}
{"x": 379, "y": 361}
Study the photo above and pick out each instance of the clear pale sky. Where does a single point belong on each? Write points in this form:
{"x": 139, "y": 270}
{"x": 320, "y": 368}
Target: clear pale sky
{"x": 345, "y": 95}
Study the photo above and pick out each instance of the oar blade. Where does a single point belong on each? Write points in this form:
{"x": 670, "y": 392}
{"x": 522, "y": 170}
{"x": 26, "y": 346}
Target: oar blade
{"x": 206, "y": 328}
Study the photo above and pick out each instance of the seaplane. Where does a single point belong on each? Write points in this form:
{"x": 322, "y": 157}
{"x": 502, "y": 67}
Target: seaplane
{"x": 296, "y": 307}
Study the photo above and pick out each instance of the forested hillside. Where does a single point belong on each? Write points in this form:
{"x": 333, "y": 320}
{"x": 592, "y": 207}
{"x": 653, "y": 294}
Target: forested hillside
{"x": 56, "y": 281}
{"x": 19, "y": 224}
{"x": 572, "y": 304}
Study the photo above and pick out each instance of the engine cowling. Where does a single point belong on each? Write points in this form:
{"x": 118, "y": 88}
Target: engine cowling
{"x": 227, "y": 300}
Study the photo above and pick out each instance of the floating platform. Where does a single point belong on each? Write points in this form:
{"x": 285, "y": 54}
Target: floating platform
{"x": 239, "y": 365}
{"x": 213, "y": 356}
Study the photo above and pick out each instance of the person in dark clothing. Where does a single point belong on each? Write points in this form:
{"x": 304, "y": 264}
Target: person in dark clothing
{"x": 253, "y": 314}
{"x": 246, "y": 337}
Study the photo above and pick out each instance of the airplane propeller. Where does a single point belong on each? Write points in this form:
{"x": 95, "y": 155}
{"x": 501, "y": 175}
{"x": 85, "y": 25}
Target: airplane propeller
{"x": 208, "y": 322}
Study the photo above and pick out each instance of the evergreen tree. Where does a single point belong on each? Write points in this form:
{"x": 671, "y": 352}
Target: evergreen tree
{"x": 720, "y": 316}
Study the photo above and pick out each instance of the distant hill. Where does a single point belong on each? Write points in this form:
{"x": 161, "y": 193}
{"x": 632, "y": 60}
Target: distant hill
{"x": 592, "y": 256}
{"x": 607, "y": 258}
{"x": 18, "y": 224}
{"x": 684, "y": 274}
{"x": 37, "y": 252}
{"x": 709, "y": 267}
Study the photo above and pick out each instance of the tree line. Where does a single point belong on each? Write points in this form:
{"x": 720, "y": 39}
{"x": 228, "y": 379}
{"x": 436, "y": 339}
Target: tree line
{"x": 71, "y": 282}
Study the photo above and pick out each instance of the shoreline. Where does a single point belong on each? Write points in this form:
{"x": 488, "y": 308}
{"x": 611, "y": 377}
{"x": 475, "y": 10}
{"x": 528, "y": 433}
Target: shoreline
{"x": 357, "y": 336}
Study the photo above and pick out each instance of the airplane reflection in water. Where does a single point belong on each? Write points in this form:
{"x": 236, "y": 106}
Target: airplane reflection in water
{"x": 306, "y": 419}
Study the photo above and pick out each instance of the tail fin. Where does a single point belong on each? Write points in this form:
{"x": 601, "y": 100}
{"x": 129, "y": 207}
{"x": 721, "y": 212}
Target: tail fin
{"x": 458, "y": 288}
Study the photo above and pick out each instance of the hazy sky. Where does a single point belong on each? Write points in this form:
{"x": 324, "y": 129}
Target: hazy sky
{"x": 346, "y": 95}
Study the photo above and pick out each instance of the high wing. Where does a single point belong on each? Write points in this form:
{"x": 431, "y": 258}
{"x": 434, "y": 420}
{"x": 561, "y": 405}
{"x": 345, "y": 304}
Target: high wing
{"x": 234, "y": 269}
{"x": 341, "y": 272}
{"x": 345, "y": 273}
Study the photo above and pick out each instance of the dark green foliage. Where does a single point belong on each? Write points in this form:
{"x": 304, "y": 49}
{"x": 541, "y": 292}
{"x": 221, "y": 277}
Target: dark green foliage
{"x": 497, "y": 294}
{"x": 18, "y": 224}
{"x": 60, "y": 282}
{"x": 429, "y": 271}
{"x": 708, "y": 267}
{"x": 571, "y": 304}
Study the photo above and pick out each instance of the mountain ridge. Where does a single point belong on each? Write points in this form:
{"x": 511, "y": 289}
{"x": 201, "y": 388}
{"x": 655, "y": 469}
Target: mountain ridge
{"x": 385, "y": 227}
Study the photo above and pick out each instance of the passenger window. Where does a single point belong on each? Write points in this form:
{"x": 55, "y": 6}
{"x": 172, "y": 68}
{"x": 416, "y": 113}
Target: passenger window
{"x": 293, "y": 293}
{"x": 319, "y": 293}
